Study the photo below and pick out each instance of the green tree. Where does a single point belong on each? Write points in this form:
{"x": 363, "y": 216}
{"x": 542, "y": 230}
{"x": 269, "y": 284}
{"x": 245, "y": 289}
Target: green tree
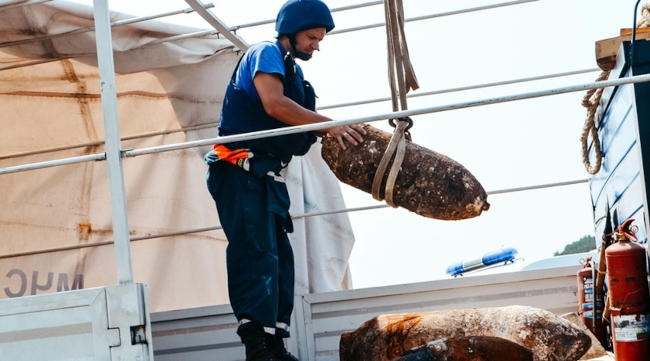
{"x": 584, "y": 244}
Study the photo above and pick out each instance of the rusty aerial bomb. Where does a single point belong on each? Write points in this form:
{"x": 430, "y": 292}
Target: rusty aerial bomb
{"x": 429, "y": 183}
{"x": 472, "y": 348}
{"x": 596, "y": 350}
{"x": 386, "y": 337}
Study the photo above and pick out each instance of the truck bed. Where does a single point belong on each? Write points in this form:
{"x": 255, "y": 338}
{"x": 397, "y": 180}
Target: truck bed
{"x": 208, "y": 333}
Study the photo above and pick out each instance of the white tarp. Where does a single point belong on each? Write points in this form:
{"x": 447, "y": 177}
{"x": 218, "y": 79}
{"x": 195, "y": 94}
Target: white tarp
{"x": 163, "y": 88}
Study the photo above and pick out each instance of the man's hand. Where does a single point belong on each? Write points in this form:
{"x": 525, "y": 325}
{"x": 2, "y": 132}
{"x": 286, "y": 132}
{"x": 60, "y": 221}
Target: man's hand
{"x": 350, "y": 133}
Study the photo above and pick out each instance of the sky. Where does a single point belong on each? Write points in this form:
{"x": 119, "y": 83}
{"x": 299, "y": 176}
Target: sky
{"x": 515, "y": 144}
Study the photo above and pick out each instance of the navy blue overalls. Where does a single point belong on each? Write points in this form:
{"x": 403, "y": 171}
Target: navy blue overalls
{"x": 253, "y": 204}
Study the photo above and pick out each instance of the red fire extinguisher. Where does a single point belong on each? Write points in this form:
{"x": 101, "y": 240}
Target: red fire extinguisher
{"x": 629, "y": 296}
{"x": 590, "y": 303}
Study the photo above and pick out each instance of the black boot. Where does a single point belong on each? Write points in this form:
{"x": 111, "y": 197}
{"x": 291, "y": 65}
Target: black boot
{"x": 275, "y": 343}
{"x": 254, "y": 338}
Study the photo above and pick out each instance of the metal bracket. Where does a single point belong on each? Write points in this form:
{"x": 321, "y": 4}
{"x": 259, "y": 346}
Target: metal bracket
{"x": 128, "y": 314}
{"x": 138, "y": 335}
{"x": 200, "y": 9}
{"x": 113, "y": 336}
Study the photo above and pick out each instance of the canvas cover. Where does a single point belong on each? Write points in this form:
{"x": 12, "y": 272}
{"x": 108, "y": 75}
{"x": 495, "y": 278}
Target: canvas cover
{"x": 168, "y": 92}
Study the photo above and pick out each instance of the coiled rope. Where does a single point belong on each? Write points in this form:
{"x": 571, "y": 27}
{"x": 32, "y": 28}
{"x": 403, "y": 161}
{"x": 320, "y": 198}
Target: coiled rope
{"x": 591, "y": 101}
{"x": 645, "y": 17}
{"x": 402, "y": 79}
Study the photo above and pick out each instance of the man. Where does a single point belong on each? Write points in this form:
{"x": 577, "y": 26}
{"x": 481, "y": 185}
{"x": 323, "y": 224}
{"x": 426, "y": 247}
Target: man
{"x": 267, "y": 90}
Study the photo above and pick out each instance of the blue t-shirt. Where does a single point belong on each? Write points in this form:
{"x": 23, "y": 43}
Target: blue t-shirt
{"x": 265, "y": 57}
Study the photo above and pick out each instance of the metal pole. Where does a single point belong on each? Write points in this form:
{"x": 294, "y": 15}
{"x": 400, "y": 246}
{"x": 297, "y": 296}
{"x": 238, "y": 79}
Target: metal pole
{"x": 145, "y": 18}
{"x": 494, "y": 192}
{"x": 101, "y": 142}
{"x": 112, "y": 135}
{"x": 196, "y": 34}
{"x": 355, "y": 6}
{"x": 338, "y": 211}
{"x": 91, "y": 28}
{"x": 361, "y": 102}
{"x": 216, "y": 23}
{"x": 431, "y": 16}
{"x": 342, "y": 8}
{"x": 58, "y": 249}
{"x": 373, "y": 118}
{"x": 394, "y": 115}
{"x": 305, "y": 215}
{"x": 53, "y": 163}
{"x": 199, "y": 34}
{"x": 458, "y": 89}
{"x": 540, "y": 186}
{"x": 225, "y": 31}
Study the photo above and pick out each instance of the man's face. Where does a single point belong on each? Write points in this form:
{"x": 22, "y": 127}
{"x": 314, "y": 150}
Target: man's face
{"x": 307, "y": 40}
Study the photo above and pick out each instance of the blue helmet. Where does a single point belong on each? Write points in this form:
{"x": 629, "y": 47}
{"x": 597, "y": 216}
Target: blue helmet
{"x": 298, "y": 15}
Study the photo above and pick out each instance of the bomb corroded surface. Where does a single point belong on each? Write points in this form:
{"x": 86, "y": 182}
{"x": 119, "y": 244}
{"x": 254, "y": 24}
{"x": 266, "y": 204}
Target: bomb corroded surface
{"x": 547, "y": 336}
{"x": 472, "y": 348}
{"x": 596, "y": 350}
{"x": 429, "y": 183}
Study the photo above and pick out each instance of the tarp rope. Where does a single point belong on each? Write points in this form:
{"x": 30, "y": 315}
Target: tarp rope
{"x": 591, "y": 102}
{"x": 645, "y": 17}
{"x": 402, "y": 79}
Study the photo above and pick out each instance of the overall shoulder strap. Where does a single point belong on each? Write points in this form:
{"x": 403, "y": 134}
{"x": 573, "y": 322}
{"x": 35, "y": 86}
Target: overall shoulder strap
{"x": 234, "y": 72}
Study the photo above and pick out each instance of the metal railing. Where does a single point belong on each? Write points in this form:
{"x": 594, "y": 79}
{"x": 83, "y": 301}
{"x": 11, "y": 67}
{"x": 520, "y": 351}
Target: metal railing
{"x": 204, "y": 33}
{"x": 115, "y": 155}
{"x": 319, "y": 126}
{"x": 334, "y": 10}
{"x": 433, "y": 16}
{"x": 296, "y": 217}
{"x": 464, "y": 88}
{"x": 340, "y": 105}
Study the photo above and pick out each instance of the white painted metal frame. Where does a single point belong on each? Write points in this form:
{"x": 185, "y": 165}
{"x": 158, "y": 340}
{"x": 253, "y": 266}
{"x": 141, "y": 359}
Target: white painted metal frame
{"x": 112, "y": 139}
{"x": 432, "y": 16}
{"x": 376, "y": 25}
{"x": 334, "y": 10}
{"x": 216, "y": 23}
{"x": 227, "y": 31}
{"x": 91, "y": 28}
{"x": 318, "y": 319}
{"x": 124, "y": 300}
{"x": 373, "y": 118}
{"x": 108, "y": 323}
{"x": 114, "y": 154}
{"x": 101, "y": 142}
{"x": 53, "y": 163}
{"x": 71, "y": 319}
{"x": 88, "y": 324}
{"x": 385, "y": 116}
{"x": 197, "y": 334}
{"x": 298, "y": 216}
{"x": 464, "y": 88}
{"x": 321, "y": 318}
{"x": 341, "y": 105}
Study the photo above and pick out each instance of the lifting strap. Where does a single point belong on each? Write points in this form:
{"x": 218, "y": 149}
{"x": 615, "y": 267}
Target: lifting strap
{"x": 402, "y": 79}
